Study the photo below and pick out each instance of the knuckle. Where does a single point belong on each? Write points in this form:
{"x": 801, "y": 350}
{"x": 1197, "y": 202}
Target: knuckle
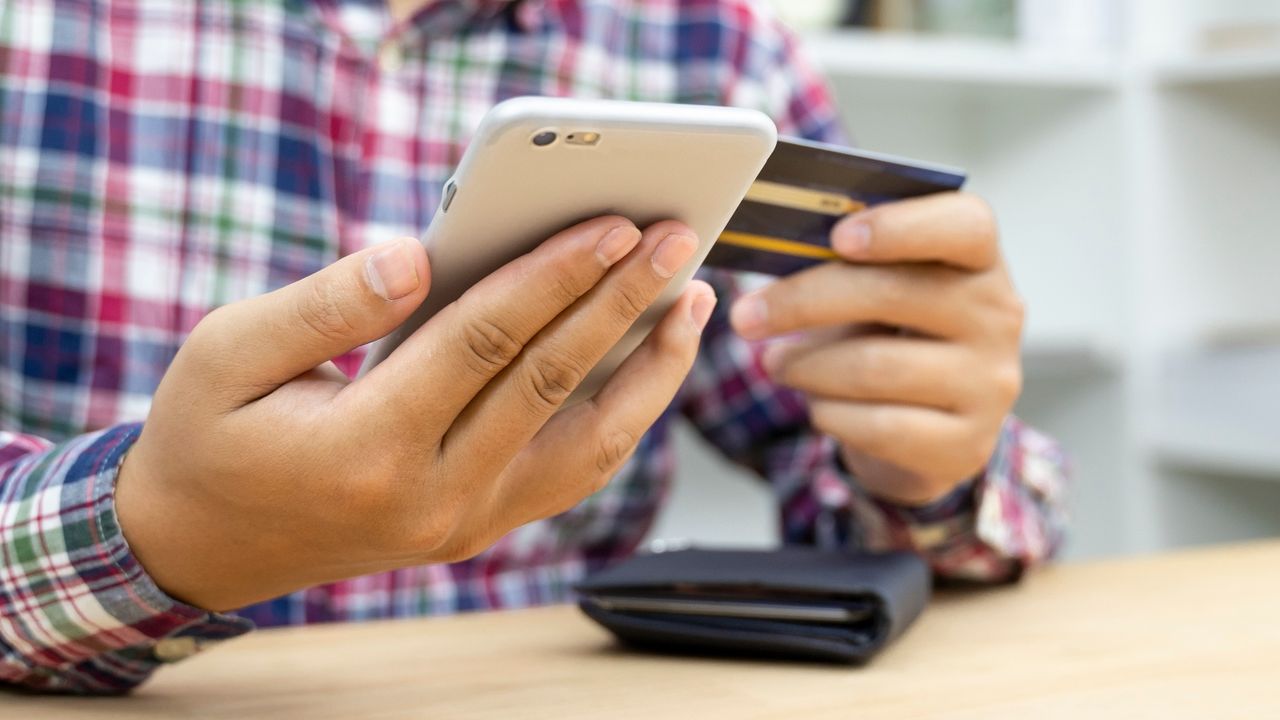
{"x": 673, "y": 352}
{"x": 564, "y": 291}
{"x": 1008, "y": 382}
{"x": 629, "y": 303}
{"x": 489, "y": 346}
{"x": 994, "y": 296}
{"x": 473, "y": 546}
{"x": 874, "y": 364}
{"x": 888, "y": 288}
{"x": 1016, "y": 311}
{"x": 207, "y": 357}
{"x": 793, "y": 297}
{"x": 975, "y": 455}
{"x": 613, "y": 449}
{"x": 458, "y": 549}
{"x": 980, "y": 211}
{"x": 878, "y": 431}
{"x": 432, "y": 534}
{"x": 599, "y": 482}
{"x": 211, "y": 332}
{"x": 820, "y": 417}
{"x": 320, "y": 310}
{"x": 976, "y": 220}
{"x": 979, "y": 217}
{"x": 827, "y": 418}
{"x": 452, "y": 549}
{"x": 551, "y": 381}
{"x": 388, "y": 522}
{"x": 214, "y": 321}
{"x": 567, "y": 284}
{"x": 566, "y": 501}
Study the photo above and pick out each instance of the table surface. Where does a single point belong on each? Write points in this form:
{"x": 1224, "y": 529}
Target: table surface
{"x": 1191, "y": 634}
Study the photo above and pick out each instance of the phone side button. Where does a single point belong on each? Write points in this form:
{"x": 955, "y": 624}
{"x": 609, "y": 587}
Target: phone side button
{"x": 450, "y": 189}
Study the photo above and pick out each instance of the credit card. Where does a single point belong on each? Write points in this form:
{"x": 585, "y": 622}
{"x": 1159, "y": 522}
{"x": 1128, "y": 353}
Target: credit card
{"x": 784, "y": 223}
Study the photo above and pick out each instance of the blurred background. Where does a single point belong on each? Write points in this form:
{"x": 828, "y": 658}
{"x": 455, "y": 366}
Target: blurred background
{"x": 1131, "y": 149}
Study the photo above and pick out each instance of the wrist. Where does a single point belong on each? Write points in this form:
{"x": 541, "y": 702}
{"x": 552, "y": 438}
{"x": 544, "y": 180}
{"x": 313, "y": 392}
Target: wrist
{"x": 154, "y": 529}
{"x": 892, "y": 484}
{"x": 187, "y": 552}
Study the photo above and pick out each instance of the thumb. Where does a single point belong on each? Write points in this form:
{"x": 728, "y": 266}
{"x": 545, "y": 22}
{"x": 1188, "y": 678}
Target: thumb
{"x": 273, "y": 338}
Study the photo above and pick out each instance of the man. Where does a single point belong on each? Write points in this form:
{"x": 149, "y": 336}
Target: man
{"x": 160, "y": 160}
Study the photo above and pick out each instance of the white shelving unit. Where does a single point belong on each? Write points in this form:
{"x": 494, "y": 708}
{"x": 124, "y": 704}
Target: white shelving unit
{"x": 1213, "y": 449}
{"x": 1240, "y": 67}
{"x": 1221, "y": 412}
{"x": 947, "y": 61}
{"x": 1067, "y": 358}
{"x": 1137, "y": 192}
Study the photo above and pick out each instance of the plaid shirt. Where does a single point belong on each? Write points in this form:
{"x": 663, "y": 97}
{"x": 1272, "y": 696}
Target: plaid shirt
{"x": 159, "y": 159}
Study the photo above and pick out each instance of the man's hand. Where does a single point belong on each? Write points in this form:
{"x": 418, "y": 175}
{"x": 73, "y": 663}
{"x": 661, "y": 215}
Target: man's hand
{"x": 261, "y": 469}
{"x": 909, "y": 353}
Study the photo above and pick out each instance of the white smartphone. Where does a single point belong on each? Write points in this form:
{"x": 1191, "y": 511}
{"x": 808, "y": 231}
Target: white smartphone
{"x": 539, "y": 165}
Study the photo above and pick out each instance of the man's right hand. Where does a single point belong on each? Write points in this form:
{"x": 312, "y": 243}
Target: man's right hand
{"x": 261, "y": 469}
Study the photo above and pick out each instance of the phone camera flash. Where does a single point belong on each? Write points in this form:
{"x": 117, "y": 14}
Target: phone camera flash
{"x": 583, "y": 138}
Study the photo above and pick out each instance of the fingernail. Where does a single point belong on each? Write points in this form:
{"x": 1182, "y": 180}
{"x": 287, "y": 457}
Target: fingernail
{"x": 700, "y": 310}
{"x": 852, "y": 238}
{"x": 391, "y": 271}
{"x": 749, "y": 314}
{"x": 616, "y": 244}
{"x": 672, "y": 253}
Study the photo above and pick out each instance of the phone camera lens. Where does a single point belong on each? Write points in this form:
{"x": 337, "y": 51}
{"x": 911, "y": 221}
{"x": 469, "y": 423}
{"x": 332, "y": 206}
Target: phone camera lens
{"x": 544, "y": 138}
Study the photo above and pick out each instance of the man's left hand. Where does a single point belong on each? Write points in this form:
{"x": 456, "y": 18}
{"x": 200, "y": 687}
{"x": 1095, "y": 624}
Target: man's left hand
{"x": 909, "y": 351}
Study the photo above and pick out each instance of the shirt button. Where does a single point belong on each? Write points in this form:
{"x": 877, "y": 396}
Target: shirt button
{"x": 175, "y": 649}
{"x": 390, "y": 58}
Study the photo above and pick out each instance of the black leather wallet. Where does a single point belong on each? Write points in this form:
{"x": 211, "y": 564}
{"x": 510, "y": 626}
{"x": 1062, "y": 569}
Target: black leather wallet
{"x": 794, "y": 602}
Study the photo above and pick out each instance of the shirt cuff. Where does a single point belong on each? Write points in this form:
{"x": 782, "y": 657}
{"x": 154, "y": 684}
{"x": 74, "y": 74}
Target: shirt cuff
{"x": 78, "y": 613}
{"x": 990, "y": 528}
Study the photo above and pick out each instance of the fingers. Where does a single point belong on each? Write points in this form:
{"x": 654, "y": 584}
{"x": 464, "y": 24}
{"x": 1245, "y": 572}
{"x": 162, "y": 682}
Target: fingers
{"x": 942, "y": 447}
{"x": 910, "y": 371}
{"x": 436, "y": 372}
{"x": 957, "y": 229}
{"x": 932, "y": 299}
{"x": 259, "y": 344}
{"x": 535, "y": 385}
{"x": 580, "y": 449}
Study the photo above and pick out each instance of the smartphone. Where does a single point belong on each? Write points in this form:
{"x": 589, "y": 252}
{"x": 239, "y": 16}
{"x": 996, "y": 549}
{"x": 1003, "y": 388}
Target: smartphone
{"x": 539, "y": 165}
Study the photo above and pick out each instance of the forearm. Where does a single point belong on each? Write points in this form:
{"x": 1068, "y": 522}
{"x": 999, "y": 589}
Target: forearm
{"x": 78, "y": 614}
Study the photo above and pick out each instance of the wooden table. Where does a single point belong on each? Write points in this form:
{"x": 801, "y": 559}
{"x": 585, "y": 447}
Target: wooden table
{"x": 1194, "y": 634}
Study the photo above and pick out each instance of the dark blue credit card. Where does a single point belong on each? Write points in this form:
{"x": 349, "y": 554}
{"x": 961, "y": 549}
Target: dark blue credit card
{"x": 784, "y": 223}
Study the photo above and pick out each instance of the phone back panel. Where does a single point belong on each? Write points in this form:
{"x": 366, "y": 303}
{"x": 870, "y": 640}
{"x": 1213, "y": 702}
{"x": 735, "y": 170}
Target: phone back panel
{"x": 651, "y": 162}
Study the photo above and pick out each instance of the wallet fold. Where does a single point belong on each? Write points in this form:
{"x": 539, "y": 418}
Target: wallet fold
{"x": 793, "y": 602}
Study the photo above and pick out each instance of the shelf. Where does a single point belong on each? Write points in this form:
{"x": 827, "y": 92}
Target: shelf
{"x": 1066, "y": 358}
{"x": 1219, "y": 448}
{"x": 947, "y": 61}
{"x": 1218, "y": 413}
{"x": 1236, "y": 67}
